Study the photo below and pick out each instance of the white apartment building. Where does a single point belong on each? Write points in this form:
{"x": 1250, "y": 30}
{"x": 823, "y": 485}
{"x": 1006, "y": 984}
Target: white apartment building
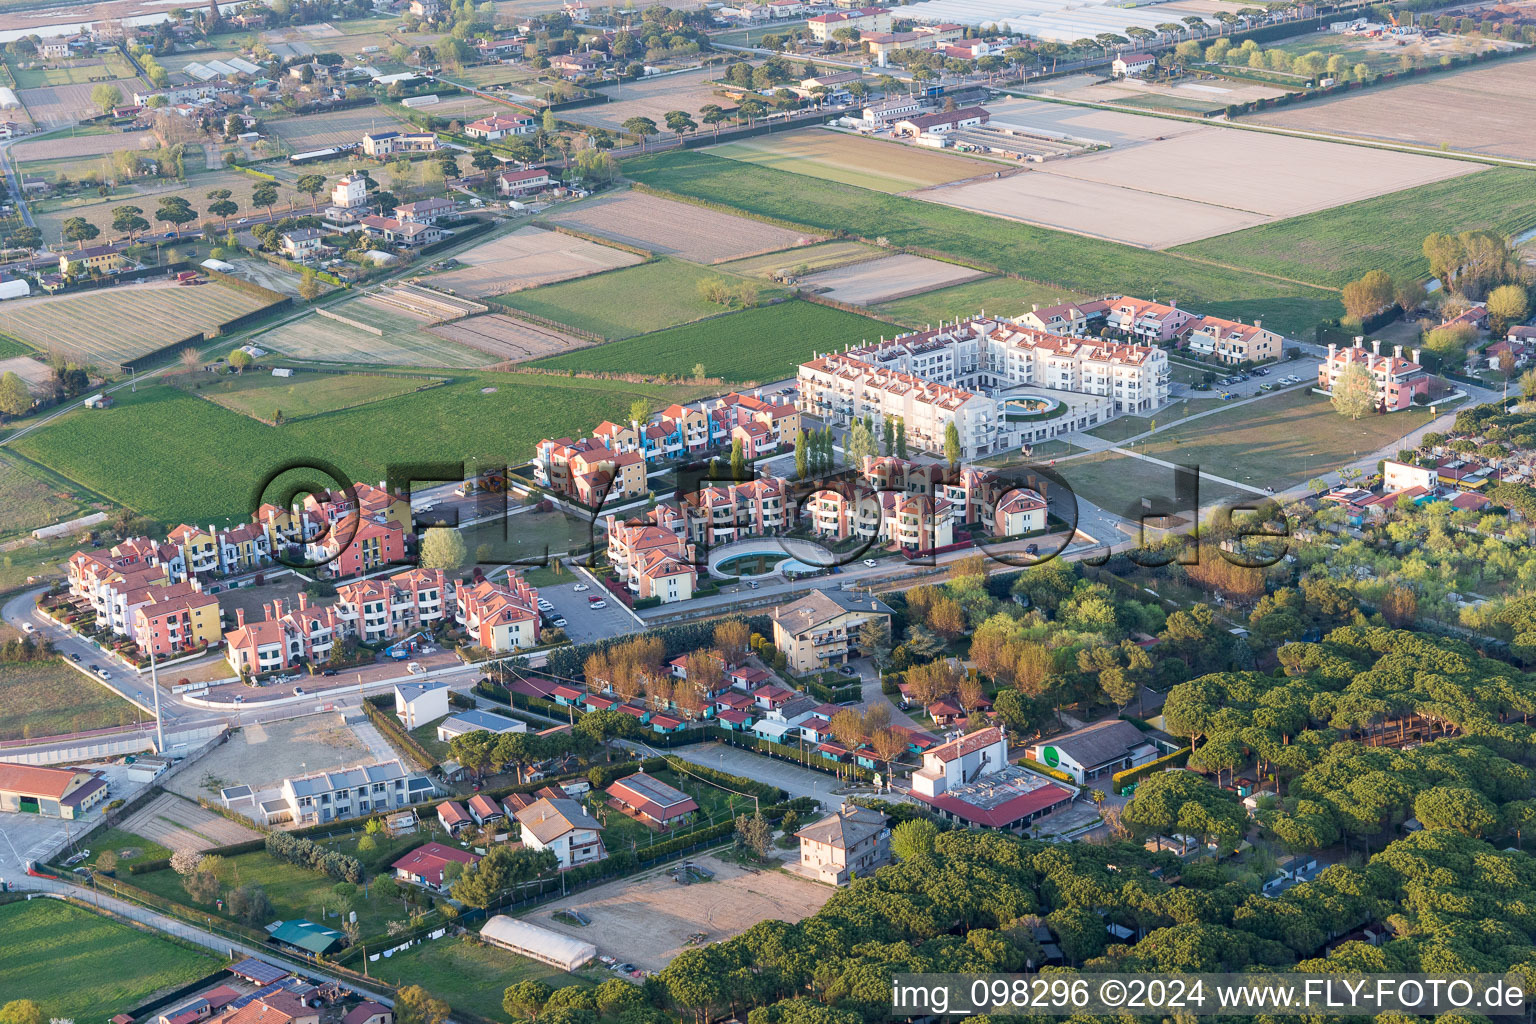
{"x": 961, "y": 372}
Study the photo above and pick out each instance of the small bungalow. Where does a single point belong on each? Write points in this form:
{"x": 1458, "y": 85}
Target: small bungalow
{"x": 734, "y": 721}
{"x": 568, "y": 696}
{"x": 453, "y": 817}
{"x": 484, "y": 810}
{"x": 667, "y": 724}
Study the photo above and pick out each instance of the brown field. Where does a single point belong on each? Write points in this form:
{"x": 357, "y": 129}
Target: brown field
{"x": 320, "y": 131}
{"x": 646, "y": 920}
{"x": 508, "y": 338}
{"x": 264, "y": 753}
{"x": 822, "y": 256}
{"x": 81, "y": 145}
{"x": 464, "y": 107}
{"x": 526, "y": 258}
{"x": 146, "y": 195}
{"x": 855, "y": 160}
{"x": 1486, "y": 110}
{"x": 650, "y": 98}
{"x": 894, "y": 277}
{"x": 1194, "y": 184}
{"x": 671, "y": 228}
{"x": 177, "y": 823}
{"x": 65, "y": 104}
{"x": 35, "y": 372}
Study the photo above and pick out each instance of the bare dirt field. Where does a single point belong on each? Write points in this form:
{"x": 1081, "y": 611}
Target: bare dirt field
{"x": 1192, "y": 183}
{"x": 66, "y": 104}
{"x": 177, "y": 823}
{"x": 509, "y": 338}
{"x": 671, "y": 228}
{"x": 855, "y": 160}
{"x": 894, "y": 277}
{"x": 1486, "y": 110}
{"x": 260, "y": 755}
{"x": 80, "y": 145}
{"x": 319, "y": 131}
{"x": 650, "y": 97}
{"x": 646, "y": 920}
{"x": 464, "y": 107}
{"x": 33, "y": 371}
{"x": 526, "y": 258}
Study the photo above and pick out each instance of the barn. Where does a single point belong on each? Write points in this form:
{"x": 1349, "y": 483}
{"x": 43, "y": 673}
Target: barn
{"x": 537, "y": 943}
{"x": 50, "y": 792}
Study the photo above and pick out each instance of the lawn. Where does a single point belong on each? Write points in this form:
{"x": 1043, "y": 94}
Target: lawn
{"x": 623, "y": 303}
{"x": 261, "y": 395}
{"x": 1086, "y": 265}
{"x": 426, "y": 735}
{"x": 49, "y": 698}
{"x": 1334, "y": 247}
{"x": 1122, "y": 427}
{"x": 757, "y": 345}
{"x": 112, "y": 65}
{"x": 1280, "y": 441}
{"x": 528, "y": 538}
{"x": 1118, "y": 483}
{"x": 77, "y": 965}
{"x": 999, "y": 296}
{"x": 130, "y": 849}
{"x": 190, "y": 473}
{"x": 470, "y": 975}
{"x": 28, "y": 499}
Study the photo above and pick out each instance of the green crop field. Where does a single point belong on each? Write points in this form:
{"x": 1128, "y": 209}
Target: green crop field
{"x": 74, "y": 72}
{"x": 624, "y": 303}
{"x": 188, "y": 475}
{"x": 1089, "y": 265}
{"x": 998, "y": 296}
{"x": 471, "y": 976}
{"x": 77, "y": 965}
{"x": 261, "y": 395}
{"x": 759, "y": 345}
{"x": 49, "y": 698}
{"x": 29, "y": 499}
{"x": 1334, "y": 247}
{"x": 126, "y": 846}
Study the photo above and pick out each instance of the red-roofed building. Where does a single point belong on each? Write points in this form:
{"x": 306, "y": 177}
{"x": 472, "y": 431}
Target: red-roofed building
{"x": 1398, "y": 381}
{"x": 499, "y": 126}
{"x": 501, "y": 617}
{"x": 650, "y": 799}
{"x": 424, "y": 865}
{"x": 522, "y": 183}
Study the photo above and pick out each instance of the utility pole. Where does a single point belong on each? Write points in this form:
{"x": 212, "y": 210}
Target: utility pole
{"x": 154, "y": 685}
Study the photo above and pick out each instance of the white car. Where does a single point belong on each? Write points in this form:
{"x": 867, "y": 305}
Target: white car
{"x": 414, "y": 668}
{"x": 545, "y": 606}
{"x": 871, "y": 562}
{"x": 104, "y": 673}
{"x": 560, "y": 622}
{"x": 578, "y": 588}
{"x": 27, "y": 627}
{"x": 598, "y": 604}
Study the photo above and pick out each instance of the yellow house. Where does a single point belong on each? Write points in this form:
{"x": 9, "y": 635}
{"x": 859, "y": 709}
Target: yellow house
{"x": 176, "y": 618}
{"x": 821, "y": 629}
{"x": 199, "y": 548}
{"x": 98, "y": 257}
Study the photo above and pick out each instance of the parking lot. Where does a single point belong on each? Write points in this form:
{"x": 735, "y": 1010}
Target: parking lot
{"x": 1305, "y": 368}
{"x": 25, "y": 837}
{"x": 583, "y": 623}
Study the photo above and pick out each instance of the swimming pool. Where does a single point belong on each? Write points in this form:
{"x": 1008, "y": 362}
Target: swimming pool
{"x": 763, "y": 563}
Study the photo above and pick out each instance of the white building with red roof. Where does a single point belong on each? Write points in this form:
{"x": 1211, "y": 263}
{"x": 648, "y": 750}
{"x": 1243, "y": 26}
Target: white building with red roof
{"x": 499, "y": 616}
{"x": 1233, "y": 342}
{"x": 284, "y": 638}
{"x": 425, "y": 865}
{"x": 381, "y": 608}
{"x": 522, "y": 183}
{"x": 1150, "y": 321}
{"x": 499, "y": 126}
{"x": 969, "y": 780}
{"x": 1398, "y": 381}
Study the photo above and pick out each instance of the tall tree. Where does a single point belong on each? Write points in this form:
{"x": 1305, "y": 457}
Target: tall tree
{"x": 1354, "y": 392}
{"x": 311, "y": 185}
{"x": 443, "y": 548}
{"x": 78, "y": 230}
{"x": 265, "y": 194}
{"x": 952, "y": 444}
{"x": 222, "y": 206}
{"x": 15, "y": 399}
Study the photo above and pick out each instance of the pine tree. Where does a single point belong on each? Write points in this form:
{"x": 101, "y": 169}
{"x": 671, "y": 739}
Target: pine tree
{"x": 901, "y": 439}
{"x": 802, "y": 457}
{"x": 890, "y": 435}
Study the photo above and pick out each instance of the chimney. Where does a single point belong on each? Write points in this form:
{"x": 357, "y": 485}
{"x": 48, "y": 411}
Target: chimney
{"x": 1397, "y": 350}
{"x": 303, "y": 601}
{"x": 1258, "y": 324}
{"x": 1376, "y": 346}
{"x": 1332, "y": 348}
{"x": 239, "y": 617}
{"x": 1415, "y": 355}
{"x": 1359, "y": 340}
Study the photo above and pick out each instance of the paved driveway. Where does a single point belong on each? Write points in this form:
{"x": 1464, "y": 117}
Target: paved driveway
{"x": 791, "y": 778}
{"x": 583, "y": 622}
{"x": 1305, "y": 368}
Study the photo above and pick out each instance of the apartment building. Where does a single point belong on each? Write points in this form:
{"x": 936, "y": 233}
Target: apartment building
{"x": 652, "y": 561}
{"x": 350, "y": 550}
{"x": 1075, "y": 318}
{"x": 176, "y": 618}
{"x": 840, "y": 388}
{"x": 384, "y": 608}
{"x": 348, "y": 793}
{"x": 588, "y": 470}
{"x": 100, "y": 258}
{"x": 863, "y": 19}
{"x": 1398, "y": 380}
{"x": 850, "y": 841}
{"x": 283, "y": 639}
{"x": 384, "y": 144}
{"x": 365, "y": 500}
{"x": 1233, "y": 342}
{"x": 1155, "y": 322}
{"x": 821, "y": 628}
{"x": 908, "y": 522}
{"x": 721, "y": 513}
{"x": 500, "y": 617}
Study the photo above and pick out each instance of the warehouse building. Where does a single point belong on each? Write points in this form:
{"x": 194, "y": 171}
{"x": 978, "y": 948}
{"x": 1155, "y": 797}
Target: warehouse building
{"x": 51, "y": 792}
{"x": 537, "y": 943}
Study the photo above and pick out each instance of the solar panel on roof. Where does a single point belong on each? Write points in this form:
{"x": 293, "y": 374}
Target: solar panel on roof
{"x": 258, "y": 971}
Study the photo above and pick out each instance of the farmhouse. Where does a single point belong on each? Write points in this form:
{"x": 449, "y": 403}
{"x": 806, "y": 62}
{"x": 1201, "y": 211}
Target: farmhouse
{"x": 1095, "y": 750}
{"x": 944, "y": 121}
{"x": 420, "y": 703}
{"x": 425, "y": 865}
{"x": 424, "y": 211}
{"x": 499, "y": 126}
{"x": 1132, "y": 65}
{"x": 537, "y": 943}
{"x": 560, "y": 825}
{"x": 851, "y": 840}
{"x": 820, "y": 629}
{"x": 652, "y": 800}
{"x": 893, "y": 108}
{"x": 100, "y": 258}
{"x": 350, "y": 191}
{"x": 384, "y": 144}
{"x": 969, "y": 780}
{"x": 1398, "y": 381}
{"x": 51, "y": 792}
{"x": 369, "y": 1012}
{"x": 302, "y": 243}
{"x": 477, "y": 721}
{"x": 402, "y": 232}
{"x": 522, "y": 183}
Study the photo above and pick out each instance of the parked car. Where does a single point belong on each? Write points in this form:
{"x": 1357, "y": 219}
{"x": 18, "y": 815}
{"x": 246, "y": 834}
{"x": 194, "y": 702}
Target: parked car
{"x": 871, "y": 562}
{"x": 560, "y": 622}
{"x": 103, "y": 673}
{"x": 27, "y": 627}
{"x": 75, "y": 658}
{"x": 298, "y": 691}
{"x": 1266, "y": 387}
{"x": 329, "y": 672}
{"x": 578, "y": 588}
{"x": 593, "y": 599}
{"x": 595, "y": 605}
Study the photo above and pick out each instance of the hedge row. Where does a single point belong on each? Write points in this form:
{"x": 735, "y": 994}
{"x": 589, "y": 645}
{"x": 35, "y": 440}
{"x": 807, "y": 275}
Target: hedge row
{"x": 391, "y": 728}
{"x": 145, "y": 867}
{"x": 1131, "y": 775}
{"x": 240, "y": 284}
{"x": 1059, "y": 776}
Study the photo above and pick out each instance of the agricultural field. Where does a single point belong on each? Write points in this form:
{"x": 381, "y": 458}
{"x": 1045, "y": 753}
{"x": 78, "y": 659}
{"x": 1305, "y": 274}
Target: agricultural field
{"x": 341, "y": 127}
{"x": 471, "y": 975}
{"x": 650, "y": 97}
{"x": 805, "y": 260}
{"x": 670, "y": 228}
{"x": 760, "y": 345}
{"x": 1195, "y": 183}
{"x": 999, "y": 296}
{"x": 1080, "y": 264}
{"x": 50, "y": 698}
{"x": 527, "y": 258}
{"x": 83, "y": 71}
{"x": 405, "y": 341}
{"x": 184, "y": 477}
{"x": 30, "y": 498}
{"x": 261, "y": 395}
{"x": 509, "y": 338}
{"x": 1336, "y": 246}
{"x": 1283, "y": 440}
{"x": 1478, "y": 110}
{"x": 884, "y": 280}
{"x": 1192, "y": 95}
{"x": 463, "y": 107}
{"x": 854, "y": 159}
{"x": 79, "y": 143}
{"x": 117, "y": 325}
{"x": 624, "y": 303}
{"x": 1385, "y": 53}
{"x": 81, "y": 966}
{"x": 176, "y": 823}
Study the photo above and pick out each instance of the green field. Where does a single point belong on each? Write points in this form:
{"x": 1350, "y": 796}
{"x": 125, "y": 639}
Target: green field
{"x": 821, "y": 256}
{"x": 998, "y": 296}
{"x": 624, "y": 303}
{"x": 1334, "y": 247}
{"x": 129, "y": 848}
{"x": 190, "y": 473}
{"x": 757, "y": 345}
{"x": 528, "y": 538}
{"x": 1083, "y": 264}
{"x": 29, "y": 499}
{"x": 471, "y": 976}
{"x": 1117, "y": 483}
{"x": 1280, "y": 441}
{"x": 75, "y": 72}
{"x": 260, "y": 395}
{"x": 49, "y": 698}
{"x": 84, "y": 967}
